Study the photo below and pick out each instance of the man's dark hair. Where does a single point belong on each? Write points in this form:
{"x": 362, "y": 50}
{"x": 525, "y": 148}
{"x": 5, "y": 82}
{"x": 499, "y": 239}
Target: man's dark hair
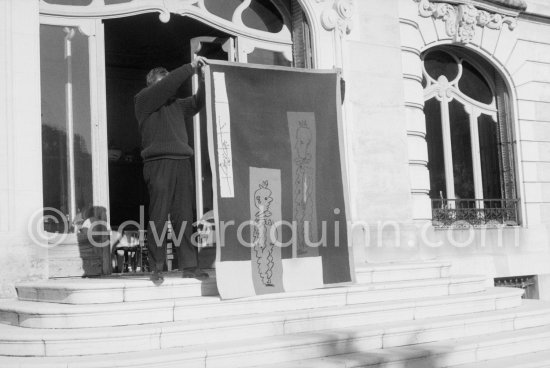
{"x": 154, "y": 73}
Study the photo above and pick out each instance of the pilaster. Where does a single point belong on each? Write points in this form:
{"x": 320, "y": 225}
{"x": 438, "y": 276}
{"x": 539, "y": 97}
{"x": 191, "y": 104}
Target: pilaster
{"x": 20, "y": 143}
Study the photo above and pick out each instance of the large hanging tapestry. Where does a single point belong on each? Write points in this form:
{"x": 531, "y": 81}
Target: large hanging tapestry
{"x": 275, "y": 143}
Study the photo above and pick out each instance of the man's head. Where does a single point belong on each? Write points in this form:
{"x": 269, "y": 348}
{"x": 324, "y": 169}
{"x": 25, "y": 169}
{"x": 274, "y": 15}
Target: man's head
{"x": 155, "y": 75}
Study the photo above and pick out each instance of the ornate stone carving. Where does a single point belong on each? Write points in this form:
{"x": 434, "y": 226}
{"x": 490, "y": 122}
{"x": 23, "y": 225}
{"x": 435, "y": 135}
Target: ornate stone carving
{"x": 461, "y": 20}
{"x": 338, "y": 17}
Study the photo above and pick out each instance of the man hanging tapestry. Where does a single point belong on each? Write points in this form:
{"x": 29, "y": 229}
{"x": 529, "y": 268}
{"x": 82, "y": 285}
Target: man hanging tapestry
{"x": 275, "y": 143}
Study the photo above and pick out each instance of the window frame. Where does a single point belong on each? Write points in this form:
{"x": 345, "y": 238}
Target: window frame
{"x": 93, "y": 30}
{"x": 499, "y": 110}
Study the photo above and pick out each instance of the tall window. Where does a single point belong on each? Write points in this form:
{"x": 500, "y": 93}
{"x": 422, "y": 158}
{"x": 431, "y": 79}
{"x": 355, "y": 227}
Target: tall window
{"x": 66, "y": 127}
{"x": 470, "y": 145}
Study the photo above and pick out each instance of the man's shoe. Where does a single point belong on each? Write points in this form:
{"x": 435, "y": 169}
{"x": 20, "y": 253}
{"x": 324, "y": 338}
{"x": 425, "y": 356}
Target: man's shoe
{"x": 157, "y": 277}
{"x": 201, "y": 274}
{"x": 194, "y": 273}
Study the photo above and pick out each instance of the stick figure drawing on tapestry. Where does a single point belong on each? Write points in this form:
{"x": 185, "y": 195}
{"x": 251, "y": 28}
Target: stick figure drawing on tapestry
{"x": 303, "y": 185}
{"x": 262, "y": 242}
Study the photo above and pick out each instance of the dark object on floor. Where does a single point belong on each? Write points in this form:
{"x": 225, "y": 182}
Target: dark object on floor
{"x": 194, "y": 273}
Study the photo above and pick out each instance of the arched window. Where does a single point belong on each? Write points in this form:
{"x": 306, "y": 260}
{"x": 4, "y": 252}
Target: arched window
{"x": 469, "y": 136}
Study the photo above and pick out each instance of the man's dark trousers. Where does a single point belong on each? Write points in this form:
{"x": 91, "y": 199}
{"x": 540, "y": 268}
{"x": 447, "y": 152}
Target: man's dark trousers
{"x": 170, "y": 185}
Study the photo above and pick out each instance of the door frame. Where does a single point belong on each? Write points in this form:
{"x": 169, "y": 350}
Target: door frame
{"x": 89, "y": 20}
{"x": 93, "y": 29}
{"x": 196, "y": 45}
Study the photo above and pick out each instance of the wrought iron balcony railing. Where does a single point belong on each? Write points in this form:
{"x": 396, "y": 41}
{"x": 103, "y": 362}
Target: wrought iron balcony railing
{"x": 475, "y": 212}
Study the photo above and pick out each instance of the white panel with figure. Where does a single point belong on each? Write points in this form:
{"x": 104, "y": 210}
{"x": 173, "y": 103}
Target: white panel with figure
{"x": 265, "y": 211}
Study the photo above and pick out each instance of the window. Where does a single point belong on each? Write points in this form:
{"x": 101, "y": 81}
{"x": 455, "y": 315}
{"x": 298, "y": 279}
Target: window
{"x": 469, "y": 136}
{"x": 224, "y": 9}
{"x": 66, "y": 127}
{"x": 260, "y": 14}
{"x": 264, "y": 16}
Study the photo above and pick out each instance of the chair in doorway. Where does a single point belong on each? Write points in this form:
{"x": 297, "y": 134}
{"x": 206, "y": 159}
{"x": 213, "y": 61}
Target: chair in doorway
{"x": 132, "y": 248}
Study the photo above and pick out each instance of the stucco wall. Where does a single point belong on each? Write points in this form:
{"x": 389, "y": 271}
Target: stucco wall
{"x": 20, "y": 143}
{"x": 527, "y": 58}
{"x": 379, "y": 170}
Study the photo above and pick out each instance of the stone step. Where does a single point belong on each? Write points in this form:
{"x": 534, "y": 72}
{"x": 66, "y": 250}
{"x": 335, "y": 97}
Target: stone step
{"x": 393, "y": 327}
{"x": 539, "y": 359}
{"x": 53, "y": 315}
{"x": 363, "y": 346}
{"x": 138, "y": 287}
{"x": 115, "y": 289}
{"x": 502, "y": 350}
{"x": 396, "y": 271}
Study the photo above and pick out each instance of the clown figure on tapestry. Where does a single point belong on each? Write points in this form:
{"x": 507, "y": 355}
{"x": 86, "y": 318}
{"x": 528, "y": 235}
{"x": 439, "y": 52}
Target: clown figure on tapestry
{"x": 301, "y": 127}
{"x": 265, "y": 214}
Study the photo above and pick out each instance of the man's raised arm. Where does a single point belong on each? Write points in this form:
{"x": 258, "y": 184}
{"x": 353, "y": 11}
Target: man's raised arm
{"x": 193, "y": 104}
{"x": 151, "y": 98}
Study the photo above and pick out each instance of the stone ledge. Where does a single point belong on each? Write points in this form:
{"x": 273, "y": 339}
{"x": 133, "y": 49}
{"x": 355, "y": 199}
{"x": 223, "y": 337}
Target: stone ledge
{"x": 539, "y": 8}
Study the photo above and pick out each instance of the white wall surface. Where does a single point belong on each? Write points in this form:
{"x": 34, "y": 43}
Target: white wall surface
{"x": 20, "y": 143}
{"x": 522, "y": 55}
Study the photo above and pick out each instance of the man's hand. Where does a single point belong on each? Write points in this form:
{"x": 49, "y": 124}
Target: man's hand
{"x": 199, "y": 62}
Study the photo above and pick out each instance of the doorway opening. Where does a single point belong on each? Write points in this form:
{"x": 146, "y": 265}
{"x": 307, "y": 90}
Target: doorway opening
{"x": 133, "y": 46}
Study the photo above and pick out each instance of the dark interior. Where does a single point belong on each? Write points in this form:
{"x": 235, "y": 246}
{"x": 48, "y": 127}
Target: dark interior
{"x": 133, "y": 46}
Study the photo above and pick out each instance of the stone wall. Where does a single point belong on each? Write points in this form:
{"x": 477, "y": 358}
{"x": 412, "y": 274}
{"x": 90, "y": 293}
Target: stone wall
{"x": 377, "y": 138}
{"x": 20, "y": 143}
{"x": 389, "y": 137}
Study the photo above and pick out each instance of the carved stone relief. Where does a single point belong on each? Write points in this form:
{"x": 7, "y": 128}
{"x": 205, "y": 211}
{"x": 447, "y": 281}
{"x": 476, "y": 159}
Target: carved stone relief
{"x": 338, "y": 16}
{"x": 462, "y": 20}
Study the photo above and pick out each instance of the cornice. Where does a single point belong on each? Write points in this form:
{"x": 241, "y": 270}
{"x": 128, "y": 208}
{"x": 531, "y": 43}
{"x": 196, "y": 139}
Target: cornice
{"x": 97, "y": 9}
{"x": 504, "y": 7}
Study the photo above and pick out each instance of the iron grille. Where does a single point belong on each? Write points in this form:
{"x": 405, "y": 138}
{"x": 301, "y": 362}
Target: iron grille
{"x": 475, "y": 212}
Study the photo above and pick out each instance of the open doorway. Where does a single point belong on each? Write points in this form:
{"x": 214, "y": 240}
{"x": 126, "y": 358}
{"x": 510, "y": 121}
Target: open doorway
{"x": 133, "y": 46}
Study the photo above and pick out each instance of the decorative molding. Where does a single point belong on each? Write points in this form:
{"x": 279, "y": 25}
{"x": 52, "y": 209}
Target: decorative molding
{"x": 462, "y": 20}
{"x": 338, "y": 17}
{"x": 238, "y": 14}
{"x": 87, "y": 29}
{"x": 193, "y": 8}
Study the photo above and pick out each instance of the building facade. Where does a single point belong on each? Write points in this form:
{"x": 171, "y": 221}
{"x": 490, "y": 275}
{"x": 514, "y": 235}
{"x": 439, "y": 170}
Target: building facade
{"x": 447, "y": 121}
